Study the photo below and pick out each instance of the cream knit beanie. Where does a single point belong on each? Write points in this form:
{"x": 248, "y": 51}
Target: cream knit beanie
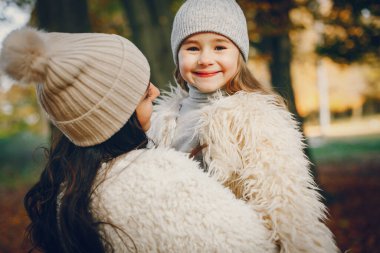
{"x": 89, "y": 84}
{"x": 224, "y": 17}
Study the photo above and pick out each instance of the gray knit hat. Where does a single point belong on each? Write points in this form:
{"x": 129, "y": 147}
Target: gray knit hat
{"x": 89, "y": 84}
{"x": 224, "y": 17}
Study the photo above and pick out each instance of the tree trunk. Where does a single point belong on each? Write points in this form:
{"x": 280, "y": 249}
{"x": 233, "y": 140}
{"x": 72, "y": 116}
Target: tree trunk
{"x": 150, "y": 22}
{"x": 280, "y": 69}
{"x": 63, "y": 15}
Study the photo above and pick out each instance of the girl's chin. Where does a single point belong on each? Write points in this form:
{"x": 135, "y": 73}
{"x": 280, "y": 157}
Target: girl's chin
{"x": 208, "y": 89}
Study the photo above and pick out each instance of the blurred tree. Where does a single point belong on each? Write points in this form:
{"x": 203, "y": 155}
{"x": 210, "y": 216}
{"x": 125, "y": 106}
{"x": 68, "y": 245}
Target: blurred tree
{"x": 108, "y": 17}
{"x": 269, "y": 25}
{"x": 62, "y": 15}
{"x": 351, "y": 30}
{"x": 350, "y": 33}
{"x": 150, "y": 24}
{"x": 19, "y": 111}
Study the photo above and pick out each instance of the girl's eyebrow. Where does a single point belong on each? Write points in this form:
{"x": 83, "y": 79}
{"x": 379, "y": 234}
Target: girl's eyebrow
{"x": 222, "y": 40}
{"x": 189, "y": 41}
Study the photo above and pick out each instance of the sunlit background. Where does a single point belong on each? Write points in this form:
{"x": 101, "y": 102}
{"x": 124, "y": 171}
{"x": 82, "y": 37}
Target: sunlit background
{"x": 323, "y": 56}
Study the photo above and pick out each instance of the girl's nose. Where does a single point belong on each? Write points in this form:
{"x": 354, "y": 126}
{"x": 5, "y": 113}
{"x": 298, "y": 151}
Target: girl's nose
{"x": 204, "y": 59}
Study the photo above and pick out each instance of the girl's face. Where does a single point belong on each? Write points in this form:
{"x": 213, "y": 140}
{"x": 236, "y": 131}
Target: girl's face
{"x": 208, "y": 61}
{"x": 145, "y": 107}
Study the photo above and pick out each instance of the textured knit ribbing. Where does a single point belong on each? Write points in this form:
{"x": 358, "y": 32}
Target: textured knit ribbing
{"x": 224, "y": 17}
{"x": 89, "y": 84}
{"x": 105, "y": 101}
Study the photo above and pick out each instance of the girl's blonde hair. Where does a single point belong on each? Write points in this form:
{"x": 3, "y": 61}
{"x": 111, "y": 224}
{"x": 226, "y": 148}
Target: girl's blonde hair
{"x": 242, "y": 81}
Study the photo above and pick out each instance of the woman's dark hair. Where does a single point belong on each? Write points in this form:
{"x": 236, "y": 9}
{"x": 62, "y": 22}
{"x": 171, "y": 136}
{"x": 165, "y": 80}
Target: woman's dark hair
{"x": 71, "y": 171}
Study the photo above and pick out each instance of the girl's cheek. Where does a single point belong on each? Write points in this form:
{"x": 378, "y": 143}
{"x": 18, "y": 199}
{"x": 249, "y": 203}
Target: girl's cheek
{"x": 185, "y": 58}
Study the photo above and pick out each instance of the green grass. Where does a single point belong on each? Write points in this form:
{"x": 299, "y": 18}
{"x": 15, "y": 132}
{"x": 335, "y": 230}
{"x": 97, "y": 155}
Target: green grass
{"x": 346, "y": 149}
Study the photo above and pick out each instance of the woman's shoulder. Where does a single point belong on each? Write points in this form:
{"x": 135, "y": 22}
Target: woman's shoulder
{"x": 145, "y": 171}
{"x": 156, "y": 157}
{"x": 151, "y": 164}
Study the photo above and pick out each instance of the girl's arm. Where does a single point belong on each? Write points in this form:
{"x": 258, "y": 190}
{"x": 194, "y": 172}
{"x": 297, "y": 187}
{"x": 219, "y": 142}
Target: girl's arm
{"x": 256, "y": 148}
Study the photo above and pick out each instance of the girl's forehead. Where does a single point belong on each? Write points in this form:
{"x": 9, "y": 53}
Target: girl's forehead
{"x": 206, "y": 36}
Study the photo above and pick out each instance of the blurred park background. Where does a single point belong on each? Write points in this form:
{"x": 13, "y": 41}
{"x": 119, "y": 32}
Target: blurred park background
{"x": 323, "y": 56}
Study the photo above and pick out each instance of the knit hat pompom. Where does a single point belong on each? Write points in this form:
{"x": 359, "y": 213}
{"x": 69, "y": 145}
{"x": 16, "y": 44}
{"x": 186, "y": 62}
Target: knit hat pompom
{"x": 24, "y": 56}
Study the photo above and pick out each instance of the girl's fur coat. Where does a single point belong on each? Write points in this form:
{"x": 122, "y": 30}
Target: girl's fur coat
{"x": 254, "y": 147}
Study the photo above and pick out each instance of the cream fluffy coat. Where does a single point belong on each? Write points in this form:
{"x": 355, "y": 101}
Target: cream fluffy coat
{"x": 164, "y": 203}
{"x": 256, "y": 149}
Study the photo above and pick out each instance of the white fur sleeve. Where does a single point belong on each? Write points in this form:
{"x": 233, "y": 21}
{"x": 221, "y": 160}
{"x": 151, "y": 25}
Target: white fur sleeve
{"x": 166, "y": 111}
{"x": 163, "y": 201}
{"x": 255, "y": 147}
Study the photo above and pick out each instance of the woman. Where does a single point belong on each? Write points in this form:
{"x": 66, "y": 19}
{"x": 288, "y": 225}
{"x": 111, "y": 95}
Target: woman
{"x": 101, "y": 189}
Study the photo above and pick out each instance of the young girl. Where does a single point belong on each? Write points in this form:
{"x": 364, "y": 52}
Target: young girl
{"x": 101, "y": 191}
{"x": 242, "y": 133}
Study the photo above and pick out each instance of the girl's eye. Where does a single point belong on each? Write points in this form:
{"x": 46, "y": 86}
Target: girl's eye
{"x": 192, "y": 49}
{"x": 219, "y": 48}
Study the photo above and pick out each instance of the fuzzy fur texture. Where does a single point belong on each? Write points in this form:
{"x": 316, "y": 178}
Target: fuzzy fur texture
{"x": 256, "y": 149}
{"x": 162, "y": 202}
{"x": 24, "y": 55}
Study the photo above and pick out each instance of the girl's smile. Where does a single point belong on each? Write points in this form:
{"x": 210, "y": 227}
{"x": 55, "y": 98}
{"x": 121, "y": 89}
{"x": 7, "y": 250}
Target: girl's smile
{"x": 206, "y": 74}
